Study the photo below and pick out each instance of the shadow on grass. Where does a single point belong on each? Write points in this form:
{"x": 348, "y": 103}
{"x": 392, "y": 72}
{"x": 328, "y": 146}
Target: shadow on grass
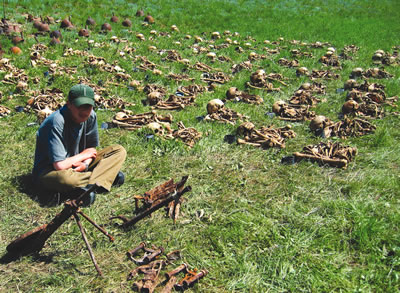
{"x": 25, "y": 184}
{"x": 36, "y": 257}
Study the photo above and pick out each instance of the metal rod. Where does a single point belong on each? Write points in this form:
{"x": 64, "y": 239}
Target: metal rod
{"x": 87, "y": 244}
{"x": 96, "y": 225}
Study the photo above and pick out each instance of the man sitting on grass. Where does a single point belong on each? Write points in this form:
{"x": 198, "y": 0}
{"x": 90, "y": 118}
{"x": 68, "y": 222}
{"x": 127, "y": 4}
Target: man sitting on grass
{"x": 66, "y": 160}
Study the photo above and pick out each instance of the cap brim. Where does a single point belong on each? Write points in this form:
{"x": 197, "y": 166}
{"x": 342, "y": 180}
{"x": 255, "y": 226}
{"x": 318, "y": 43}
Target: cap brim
{"x": 83, "y": 101}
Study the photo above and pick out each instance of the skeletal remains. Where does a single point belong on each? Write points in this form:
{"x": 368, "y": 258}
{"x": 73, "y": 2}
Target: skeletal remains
{"x": 4, "y": 111}
{"x": 234, "y": 94}
{"x": 260, "y": 80}
{"x": 333, "y": 154}
{"x": 174, "y": 102}
{"x": 218, "y": 112}
{"x": 128, "y": 121}
{"x": 290, "y": 112}
{"x": 265, "y": 137}
{"x": 323, "y": 126}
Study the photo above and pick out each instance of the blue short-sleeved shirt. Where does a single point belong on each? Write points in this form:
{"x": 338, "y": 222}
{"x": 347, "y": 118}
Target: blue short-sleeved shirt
{"x": 59, "y": 138}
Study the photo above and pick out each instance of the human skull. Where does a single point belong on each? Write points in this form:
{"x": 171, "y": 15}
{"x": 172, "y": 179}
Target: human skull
{"x": 377, "y": 56}
{"x": 154, "y": 97}
{"x": 252, "y": 55}
{"x": 232, "y": 93}
{"x": 215, "y": 35}
{"x": 44, "y": 113}
{"x": 350, "y": 84}
{"x": 349, "y": 107}
{"x": 331, "y": 49}
{"x": 277, "y": 106}
{"x": 302, "y": 71}
{"x": 140, "y": 37}
{"x": 258, "y": 76}
{"x": 306, "y": 86}
{"x": 211, "y": 55}
{"x": 35, "y": 55}
{"x": 357, "y": 72}
{"x": 214, "y": 105}
{"x": 156, "y": 128}
{"x": 319, "y": 122}
{"x": 245, "y": 128}
{"x": 174, "y": 28}
{"x": 21, "y": 86}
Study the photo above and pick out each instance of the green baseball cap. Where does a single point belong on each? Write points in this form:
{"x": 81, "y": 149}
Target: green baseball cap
{"x": 81, "y": 94}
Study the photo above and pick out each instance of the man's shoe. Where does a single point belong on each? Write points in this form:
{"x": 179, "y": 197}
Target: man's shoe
{"x": 88, "y": 199}
{"x": 119, "y": 180}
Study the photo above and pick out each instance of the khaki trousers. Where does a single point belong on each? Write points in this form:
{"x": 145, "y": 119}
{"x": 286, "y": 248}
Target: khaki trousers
{"x": 102, "y": 171}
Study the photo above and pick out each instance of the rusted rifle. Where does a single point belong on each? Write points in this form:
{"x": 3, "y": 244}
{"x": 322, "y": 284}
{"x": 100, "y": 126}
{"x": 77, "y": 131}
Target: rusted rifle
{"x": 173, "y": 193}
{"x": 34, "y": 240}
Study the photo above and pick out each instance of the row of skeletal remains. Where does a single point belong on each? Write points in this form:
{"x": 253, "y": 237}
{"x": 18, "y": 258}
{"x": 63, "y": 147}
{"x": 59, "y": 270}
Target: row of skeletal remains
{"x": 298, "y": 108}
{"x": 151, "y": 261}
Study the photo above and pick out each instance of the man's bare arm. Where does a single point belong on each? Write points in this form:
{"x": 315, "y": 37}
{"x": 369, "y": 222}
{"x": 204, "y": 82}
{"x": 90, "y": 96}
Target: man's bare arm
{"x": 76, "y": 161}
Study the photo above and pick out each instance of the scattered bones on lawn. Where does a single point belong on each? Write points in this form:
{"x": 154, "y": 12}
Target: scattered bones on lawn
{"x": 265, "y": 137}
{"x": 234, "y": 94}
{"x": 191, "y": 90}
{"x": 385, "y": 58}
{"x": 330, "y": 59}
{"x": 324, "y": 74}
{"x": 290, "y": 112}
{"x": 188, "y": 135}
{"x": 133, "y": 122}
{"x": 333, "y": 154}
{"x": 45, "y": 102}
{"x": 288, "y": 63}
{"x": 366, "y": 99}
{"x": 243, "y": 65}
{"x": 174, "y": 103}
{"x": 218, "y": 77}
{"x": 179, "y": 77}
{"x": 4, "y": 111}
{"x": 218, "y": 112}
{"x": 261, "y": 80}
{"x": 13, "y": 74}
{"x": 111, "y": 103}
{"x": 323, "y": 126}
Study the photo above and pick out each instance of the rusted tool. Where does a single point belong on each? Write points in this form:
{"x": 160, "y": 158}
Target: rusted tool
{"x": 171, "y": 192}
{"x": 170, "y": 274}
{"x": 34, "y": 240}
{"x": 190, "y": 279}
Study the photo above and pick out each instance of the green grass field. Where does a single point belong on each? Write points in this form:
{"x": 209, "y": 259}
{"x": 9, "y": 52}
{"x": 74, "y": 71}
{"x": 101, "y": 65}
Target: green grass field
{"x": 255, "y": 224}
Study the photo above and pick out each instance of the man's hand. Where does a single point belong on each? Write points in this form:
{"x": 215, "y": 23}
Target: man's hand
{"x": 89, "y": 153}
{"x": 79, "y": 166}
{"x": 76, "y": 162}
